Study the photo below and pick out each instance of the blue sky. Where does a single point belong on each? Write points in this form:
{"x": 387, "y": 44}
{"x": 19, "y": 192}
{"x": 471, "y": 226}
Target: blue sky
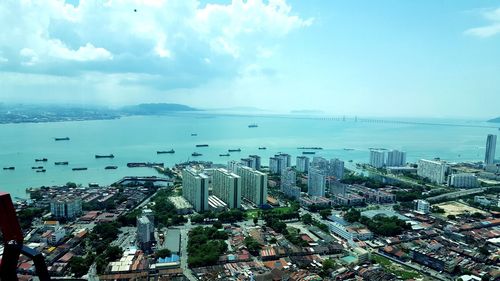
{"x": 373, "y": 58}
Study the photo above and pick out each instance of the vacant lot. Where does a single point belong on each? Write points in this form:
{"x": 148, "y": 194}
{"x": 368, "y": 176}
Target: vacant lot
{"x": 457, "y": 208}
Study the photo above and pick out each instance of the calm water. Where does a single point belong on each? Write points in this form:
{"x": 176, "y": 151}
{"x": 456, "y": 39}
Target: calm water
{"x": 136, "y": 139}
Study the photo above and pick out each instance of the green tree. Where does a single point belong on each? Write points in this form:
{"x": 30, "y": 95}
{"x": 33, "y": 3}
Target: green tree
{"x": 252, "y": 245}
{"x": 452, "y": 217}
{"x": 325, "y": 213}
{"x": 163, "y": 253}
{"x": 113, "y": 253}
{"x": 352, "y": 215}
{"x": 307, "y": 219}
{"x": 255, "y": 220}
{"x": 78, "y": 266}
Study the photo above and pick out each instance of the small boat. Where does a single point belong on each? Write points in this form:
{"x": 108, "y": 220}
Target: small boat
{"x": 196, "y": 154}
{"x": 262, "y": 148}
{"x": 225, "y": 154}
{"x": 350, "y": 161}
{"x": 79, "y": 169}
{"x": 234, "y": 150}
{"x": 202, "y": 145}
{"x": 35, "y": 168}
{"x": 62, "y": 139}
{"x": 165, "y": 151}
{"x": 41, "y": 160}
{"x": 310, "y": 148}
{"x": 111, "y": 167}
{"x": 253, "y": 126}
{"x": 194, "y": 135}
{"x": 40, "y": 171}
{"x": 308, "y": 152}
{"x": 104, "y": 156}
{"x": 348, "y": 149}
{"x": 61, "y": 163}
{"x": 9, "y": 168}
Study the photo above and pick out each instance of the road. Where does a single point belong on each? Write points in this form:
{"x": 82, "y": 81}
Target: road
{"x": 184, "y": 254}
{"x": 457, "y": 194}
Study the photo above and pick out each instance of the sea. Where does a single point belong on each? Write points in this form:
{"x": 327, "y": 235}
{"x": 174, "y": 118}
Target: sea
{"x": 138, "y": 138}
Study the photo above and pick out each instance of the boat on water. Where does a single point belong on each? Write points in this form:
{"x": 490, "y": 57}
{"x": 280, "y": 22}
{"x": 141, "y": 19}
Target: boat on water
{"x": 39, "y": 167}
{"x": 194, "y": 135}
{"x": 41, "y": 160}
{"x": 225, "y": 154}
{"x": 196, "y": 154}
{"x": 202, "y": 145}
{"x": 61, "y": 163}
{"x": 350, "y": 161}
{"x": 111, "y": 167}
{"x": 234, "y": 150}
{"x": 310, "y": 148}
{"x": 253, "y": 125}
{"x": 104, "y": 156}
{"x": 143, "y": 164}
{"x": 9, "y": 168}
{"x": 308, "y": 152}
{"x": 348, "y": 149}
{"x": 262, "y": 148}
{"x": 62, "y": 139}
{"x": 40, "y": 171}
{"x": 79, "y": 169}
{"x": 165, "y": 151}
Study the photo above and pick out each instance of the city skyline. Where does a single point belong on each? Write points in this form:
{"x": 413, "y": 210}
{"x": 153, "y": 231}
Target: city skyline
{"x": 238, "y": 54}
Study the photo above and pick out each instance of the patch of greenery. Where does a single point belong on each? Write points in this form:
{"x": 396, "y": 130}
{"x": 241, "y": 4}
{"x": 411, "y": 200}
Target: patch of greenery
{"x": 205, "y": 245}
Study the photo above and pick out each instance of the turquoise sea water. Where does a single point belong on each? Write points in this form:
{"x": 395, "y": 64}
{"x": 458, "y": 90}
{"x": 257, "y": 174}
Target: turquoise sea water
{"x": 136, "y": 139}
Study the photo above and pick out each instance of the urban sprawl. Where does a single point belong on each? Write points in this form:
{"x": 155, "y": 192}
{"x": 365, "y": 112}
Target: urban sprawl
{"x": 386, "y": 219}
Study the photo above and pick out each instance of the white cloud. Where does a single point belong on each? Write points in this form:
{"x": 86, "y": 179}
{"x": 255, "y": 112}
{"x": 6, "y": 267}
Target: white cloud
{"x": 493, "y": 28}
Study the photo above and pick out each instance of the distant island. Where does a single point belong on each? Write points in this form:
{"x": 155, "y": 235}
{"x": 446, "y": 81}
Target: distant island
{"x": 27, "y": 113}
{"x": 155, "y": 108}
{"x": 494, "y": 120}
{"x": 307, "y": 111}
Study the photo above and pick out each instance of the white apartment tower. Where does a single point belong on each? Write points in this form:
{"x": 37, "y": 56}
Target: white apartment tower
{"x": 302, "y": 164}
{"x": 396, "y": 158}
{"x": 253, "y": 185}
{"x": 433, "y": 170}
{"x": 227, "y": 187}
{"x": 195, "y": 188}
{"x": 316, "y": 182}
{"x": 491, "y": 143}
{"x": 377, "y": 158}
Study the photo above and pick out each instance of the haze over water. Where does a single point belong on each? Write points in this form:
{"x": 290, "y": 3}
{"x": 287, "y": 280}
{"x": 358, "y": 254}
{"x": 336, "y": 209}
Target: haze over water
{"x": 136, "y": 139}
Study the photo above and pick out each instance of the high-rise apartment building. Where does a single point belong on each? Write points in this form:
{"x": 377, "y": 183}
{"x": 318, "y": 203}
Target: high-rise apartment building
{"x": 195, "y": 188}
{"x": 421, "y": 206}
{"x": 396, "y": 158}
{"x": 66, "y": 207}
{"x": 279, "y": 162}
{"x": 227, "y": 187}
{"x": 144, "y": 230}
{"x": 256, "y": 161}
{"x": 288, "y": 178}
{"x": 433, "y": 170}
{"x": 232, "y": 164}
{"x": 302, "y": 164}
{"x": 463, "y": 180}
{"x": 253, "y": 185}
{"x": 274, "y": 166}
{"x": 491, "y": 143}
{"x": 320, "y": 163}
{"x": 336, "y": 169}
{"x": 377, "y": 158}
{"x": 316, "y": 182}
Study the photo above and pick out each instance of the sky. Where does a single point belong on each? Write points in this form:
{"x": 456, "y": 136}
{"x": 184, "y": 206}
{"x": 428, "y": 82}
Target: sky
{"x": 432, "y": 58}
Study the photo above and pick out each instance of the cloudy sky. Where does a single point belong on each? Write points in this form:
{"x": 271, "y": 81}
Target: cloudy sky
{"x": 384, "y": 58}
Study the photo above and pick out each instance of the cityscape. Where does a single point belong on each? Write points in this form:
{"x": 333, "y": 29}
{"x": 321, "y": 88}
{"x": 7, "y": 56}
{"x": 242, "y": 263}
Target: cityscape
{"x": 249, "y": 140}
{"x": 308, "y": 218}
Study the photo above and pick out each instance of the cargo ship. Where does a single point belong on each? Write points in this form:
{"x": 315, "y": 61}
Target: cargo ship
{"x": 40, "y": 171}
{"x": 202, "y": 145}
{"x": 226, "y": 154}
{"x": 194, "y": 135}
{"x": 62, "y": 139}
{"x": 9, "y": 168}
{"x": 196, "y": 154}
{"x": 262, "y": 148}
{"x": 143, "y": 164}
{"x": 61, "y": 163}
{"x": 41, "y": 160}
{"x": 111, "y": 167}
{"x": 234, "y": 150}
{"x": 79, "y": 169}
{"x": 104, "y": 156}
{"x": 308, "y": 152}
{"x": 165, "y": 151}
{"x": 311, "y": 148}
{"x": 253, "y": 126}
{"x": 39, "y": 167}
